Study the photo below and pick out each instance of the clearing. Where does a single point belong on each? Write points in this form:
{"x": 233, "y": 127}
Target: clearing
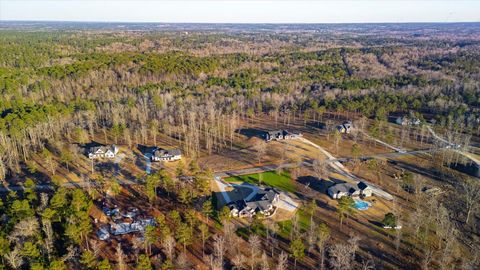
{"x": 281, "y": 180}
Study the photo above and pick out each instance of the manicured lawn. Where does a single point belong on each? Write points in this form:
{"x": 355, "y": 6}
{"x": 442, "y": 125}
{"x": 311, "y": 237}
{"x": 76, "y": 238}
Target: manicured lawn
{"x": 303, "y": 224}
{"x": 281, "y": 181}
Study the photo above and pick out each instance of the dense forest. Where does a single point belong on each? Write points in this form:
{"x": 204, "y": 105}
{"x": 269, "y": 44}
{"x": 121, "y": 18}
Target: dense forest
{"x": 60, "y": 81}
{"x": 73, "y": 86}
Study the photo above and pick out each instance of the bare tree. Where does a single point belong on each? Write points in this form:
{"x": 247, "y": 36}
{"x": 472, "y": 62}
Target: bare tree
{"x": 320, "y": 167}
{"x": 218, "y": 251}
{"x": 238, "y": 261}
{"x": 471, "y": 196}
{"x": 342, "y": 255}
{"x": 121, "y": 258}
{"x": 260, "y": 148}
{"x": 229, "y": 233}
{"x": 337, "y": 137}
{"x": 48, "y": 230}
{"x": 322, "y": 239}
{"x": 25, "y": 228}
{"x": 312, "y": 236}
{"x": 427, "y": 258}
{"x": 282, "y": 261}
{"x": 137, "y": 244}
{"x": 182, "y": 262}
{"x": 254, "y": 242}
{"x": 368, "y": 263}
{"x": 168, "y": 246}
{"x": 264, "y": 259}
{"x": 14, "y": 258}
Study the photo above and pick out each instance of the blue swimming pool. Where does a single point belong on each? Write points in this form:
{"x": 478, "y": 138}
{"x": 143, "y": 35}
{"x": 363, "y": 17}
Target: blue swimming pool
{"x": 361, "y": 205}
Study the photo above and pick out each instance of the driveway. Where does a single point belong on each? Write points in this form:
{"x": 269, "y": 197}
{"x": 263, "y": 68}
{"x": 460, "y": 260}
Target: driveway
{"x": 148, "y": 162}
{"x": 287, "y": 203}
{"x": 344, "y": 171}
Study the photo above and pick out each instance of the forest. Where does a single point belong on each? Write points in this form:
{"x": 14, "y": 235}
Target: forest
{"x": 64, "y": 88}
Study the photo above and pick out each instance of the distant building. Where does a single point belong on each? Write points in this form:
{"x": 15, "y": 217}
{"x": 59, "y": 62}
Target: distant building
{"x": 167, "y": 155}
{"x": 103, "y": 151}
{"x": 279, "y": 135}
{"x": 263, "y": 203}
{"x": 345, "y": 127}
{"x": 346, "y": 189}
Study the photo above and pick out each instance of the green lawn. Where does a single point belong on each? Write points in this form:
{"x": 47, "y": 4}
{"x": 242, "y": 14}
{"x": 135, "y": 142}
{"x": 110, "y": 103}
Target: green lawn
{"x": 285, "y": 227}
{"x": 273, "y": 179}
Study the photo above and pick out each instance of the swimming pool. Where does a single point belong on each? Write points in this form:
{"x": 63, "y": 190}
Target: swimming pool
{"x": 361, "y": 205}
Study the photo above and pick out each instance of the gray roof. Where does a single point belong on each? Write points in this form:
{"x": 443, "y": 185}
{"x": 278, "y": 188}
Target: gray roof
{"x": 260, "y": 202}
{"x": 343, "y": 187}
{"x": 165, "y": 152}
{"x": 348, "y": 188}
{"x": 275, "y": 133}
{"x": 137, "y": 226}
{"x": 102, "y": 148}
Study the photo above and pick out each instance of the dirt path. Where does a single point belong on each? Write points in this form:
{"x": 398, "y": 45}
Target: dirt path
{"x": 454, "y": 146}
{"x": 396, "y": 149}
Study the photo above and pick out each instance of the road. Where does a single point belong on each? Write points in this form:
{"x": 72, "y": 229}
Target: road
{"x": 222, "y": 174}
{"x": 454, "y": 146}
{"x": 396, "y": 149}
{"x": 335, "y": 163}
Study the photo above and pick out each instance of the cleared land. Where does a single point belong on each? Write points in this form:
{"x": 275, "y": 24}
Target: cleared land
{"x": 281, "y": 180}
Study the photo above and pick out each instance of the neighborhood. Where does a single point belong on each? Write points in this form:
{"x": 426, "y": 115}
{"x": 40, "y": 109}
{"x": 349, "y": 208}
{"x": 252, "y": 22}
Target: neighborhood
{"x": 110, "y": 151}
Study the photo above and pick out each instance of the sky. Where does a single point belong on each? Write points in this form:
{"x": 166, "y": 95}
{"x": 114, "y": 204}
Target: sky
{"x": 243, "y": 11}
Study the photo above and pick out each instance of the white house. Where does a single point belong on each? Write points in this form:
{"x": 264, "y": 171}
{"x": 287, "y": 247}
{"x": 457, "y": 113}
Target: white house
{"x": 278, "y": 135}
{"x": 346, "y": 127}
{"x": 167, "y": 155}
{"x": 405, "y": 121}
{"x": 346, "y": 189}
{"x": 103, "y": 151}
{"x": 263, "y": 203}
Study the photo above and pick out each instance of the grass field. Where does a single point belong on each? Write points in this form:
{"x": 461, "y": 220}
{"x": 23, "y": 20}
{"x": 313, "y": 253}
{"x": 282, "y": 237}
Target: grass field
{"x": 273, "y": 179}
{"x": 303, "y": 224}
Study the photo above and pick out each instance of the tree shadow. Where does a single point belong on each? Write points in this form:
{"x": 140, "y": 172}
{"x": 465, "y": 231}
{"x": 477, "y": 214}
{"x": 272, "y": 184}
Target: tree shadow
{"x": 145, "y": 149}
{"x": 91, "y": 144}
{"x": 319, "y": 185}
{"x": 317, "y": 124}
{"x": 251, "y": 132}
{"x": 376, "y": 223}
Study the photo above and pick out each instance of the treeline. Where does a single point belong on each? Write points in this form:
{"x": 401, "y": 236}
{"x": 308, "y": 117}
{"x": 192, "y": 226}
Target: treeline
{"x": 83, "y": 86}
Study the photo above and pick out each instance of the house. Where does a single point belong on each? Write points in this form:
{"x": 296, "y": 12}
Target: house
{"x": 166, "y": 155}
{"x": 405, "y": 121}
{"x": 103, "y": 151}
{"x": 346, "y": 189}
{"x": 281, "y": 135}
{"x": 263, "y": 202}
{"x": 345, "y": 127}
{"x": 131, "y": 227}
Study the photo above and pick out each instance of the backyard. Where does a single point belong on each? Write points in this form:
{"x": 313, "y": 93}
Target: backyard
{"x": 281, "y": 180}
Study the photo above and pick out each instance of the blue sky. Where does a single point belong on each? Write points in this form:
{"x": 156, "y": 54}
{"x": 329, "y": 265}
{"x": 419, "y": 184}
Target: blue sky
{"x": 243, "y": 11}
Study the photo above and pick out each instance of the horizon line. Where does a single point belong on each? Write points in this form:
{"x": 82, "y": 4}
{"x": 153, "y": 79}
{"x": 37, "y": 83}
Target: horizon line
{"x": 270, "y": 23}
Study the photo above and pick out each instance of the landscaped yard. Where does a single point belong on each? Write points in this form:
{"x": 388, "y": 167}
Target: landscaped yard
{"x": 303, "y": 224}
{"x": 273, "y": 179}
